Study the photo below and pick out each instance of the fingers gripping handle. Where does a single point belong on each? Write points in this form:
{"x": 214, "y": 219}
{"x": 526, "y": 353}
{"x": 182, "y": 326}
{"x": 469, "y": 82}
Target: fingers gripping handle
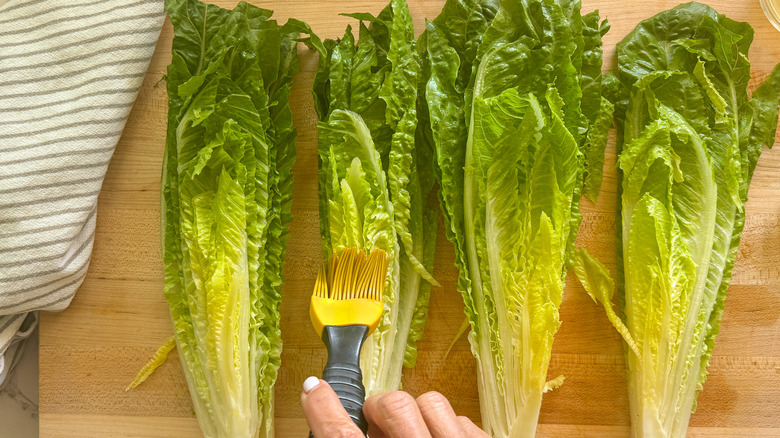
{"x": 342, "y": 371}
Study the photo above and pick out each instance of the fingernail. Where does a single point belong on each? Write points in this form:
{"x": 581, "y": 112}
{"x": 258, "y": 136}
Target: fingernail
{"x": 310, "y": 383}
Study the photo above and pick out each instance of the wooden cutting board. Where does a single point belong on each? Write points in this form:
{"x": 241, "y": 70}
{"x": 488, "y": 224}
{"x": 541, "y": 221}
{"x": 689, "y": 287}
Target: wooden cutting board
{"x": 91, "y": 351}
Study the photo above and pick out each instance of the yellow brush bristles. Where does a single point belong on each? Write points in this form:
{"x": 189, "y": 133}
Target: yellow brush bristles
{"x": 351, "y": 275}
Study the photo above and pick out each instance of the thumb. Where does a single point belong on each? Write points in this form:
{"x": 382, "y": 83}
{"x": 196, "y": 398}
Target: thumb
{"x": 324, "y": 412}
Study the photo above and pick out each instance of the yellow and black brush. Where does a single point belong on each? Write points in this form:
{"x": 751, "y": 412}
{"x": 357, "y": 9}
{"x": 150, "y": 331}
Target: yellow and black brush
{"x": 345, "y": 308}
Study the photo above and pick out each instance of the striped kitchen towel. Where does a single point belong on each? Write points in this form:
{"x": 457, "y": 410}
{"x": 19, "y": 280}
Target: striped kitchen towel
{"x": 70, "y": 71}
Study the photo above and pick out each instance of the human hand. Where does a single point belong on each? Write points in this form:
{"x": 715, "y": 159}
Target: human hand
{"x": 390, "y": 415}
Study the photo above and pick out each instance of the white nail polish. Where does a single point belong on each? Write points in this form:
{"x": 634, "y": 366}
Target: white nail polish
{"x": 310, "y": 383}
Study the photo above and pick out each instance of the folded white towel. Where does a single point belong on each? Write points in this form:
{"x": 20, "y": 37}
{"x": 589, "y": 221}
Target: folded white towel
{"x": 70, "y": 71}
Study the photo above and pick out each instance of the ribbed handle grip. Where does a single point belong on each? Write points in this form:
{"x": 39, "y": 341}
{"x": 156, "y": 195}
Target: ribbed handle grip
{"x": 347, "y": 380}
{"x": 342, "y": 371}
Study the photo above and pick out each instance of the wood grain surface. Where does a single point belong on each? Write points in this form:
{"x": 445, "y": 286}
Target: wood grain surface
{"x": 91, "y": 351}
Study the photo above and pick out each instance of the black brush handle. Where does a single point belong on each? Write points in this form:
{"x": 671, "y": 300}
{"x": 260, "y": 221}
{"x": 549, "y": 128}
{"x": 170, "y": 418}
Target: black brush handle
{"x": 342, "y": 371}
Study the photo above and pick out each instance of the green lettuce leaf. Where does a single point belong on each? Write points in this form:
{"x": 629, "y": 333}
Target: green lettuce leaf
{"x": 226, "y": 195}
{"x": 507, "y": 95}
{"x": 597, "y": 109}
{"x": 451, "y": 46}
{"x": 689, "y": 139}
{"x": 367, "y": 99}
